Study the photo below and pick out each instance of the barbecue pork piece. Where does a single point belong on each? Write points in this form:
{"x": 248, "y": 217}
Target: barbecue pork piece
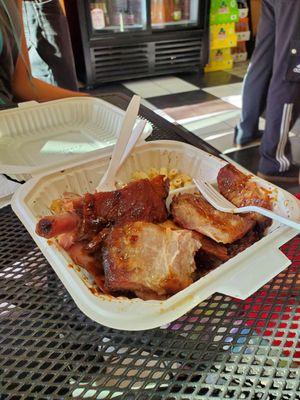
{"x": 192, "y": 211}
{"x": 240, "y": 190}
{"x": 54, "y": 225}
{"x": 148, "y": 259}
{"x": 246, "y": 241}
{"x": 140, "y": 200}
{"x": 80, "y": 256}
{"x": 89, "y": 262}
{"x": 208, "y": 246}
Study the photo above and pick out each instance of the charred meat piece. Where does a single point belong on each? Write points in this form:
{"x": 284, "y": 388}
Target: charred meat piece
{"x": 140, "y": 200}
{"x": 208, "y": 246}
{"x": 148, "y": 259}
{"x": 211, "y": 250}
{"x": 54, "y": 225}
{"x": 192, "y": 211}
{"x": 240, "y": 190}
{"x": 95, "y": 243}
{"x": 240, "y": 245}
{"x": 81, "y": 257}
{"x": 207, "y": 261}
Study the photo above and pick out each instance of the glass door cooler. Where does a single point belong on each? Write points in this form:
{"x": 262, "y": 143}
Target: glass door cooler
{"x": 118, "y": 16}
{"x": 124, "y": 39}
{"x": 174, "y": 14}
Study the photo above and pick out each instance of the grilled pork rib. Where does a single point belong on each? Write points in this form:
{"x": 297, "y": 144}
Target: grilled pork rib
{"x": 191, "y": 211}
{"x": 240, "y": 190}
{"x": 208, "y": 246}
{"x": 124, "y": 240}
{"x": 140, "y": 200}
{"x": 148, "y": 259}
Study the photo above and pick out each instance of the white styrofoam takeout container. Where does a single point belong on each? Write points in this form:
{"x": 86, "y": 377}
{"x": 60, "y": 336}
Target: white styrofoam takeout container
{"x": 239, "y": 277}
{"x": 36, "y": 137}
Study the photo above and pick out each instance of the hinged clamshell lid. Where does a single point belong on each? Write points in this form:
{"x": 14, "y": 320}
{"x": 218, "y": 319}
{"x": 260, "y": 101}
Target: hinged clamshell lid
{"x": 37, "y": 137}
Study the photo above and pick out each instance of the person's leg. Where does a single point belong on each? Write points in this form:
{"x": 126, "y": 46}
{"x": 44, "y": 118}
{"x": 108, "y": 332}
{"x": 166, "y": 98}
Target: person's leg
{"x": 258, "y": 77}
{"x": 283, "y": 102}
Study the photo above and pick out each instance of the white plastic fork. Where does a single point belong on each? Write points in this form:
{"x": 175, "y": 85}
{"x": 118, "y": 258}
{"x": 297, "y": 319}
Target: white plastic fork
{"x": 126, "y": 141}
{"x": 220, "y": 203}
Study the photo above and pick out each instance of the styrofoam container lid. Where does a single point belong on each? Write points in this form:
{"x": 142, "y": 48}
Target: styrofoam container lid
{"x": 7, "y": 189}
{"x": 239, "y": 277}
{"x": 37, "y": 137}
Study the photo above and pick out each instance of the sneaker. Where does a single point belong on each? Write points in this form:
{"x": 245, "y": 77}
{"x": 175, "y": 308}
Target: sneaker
{"x": 255, "y": 141}
{"x": 290, "y": 176}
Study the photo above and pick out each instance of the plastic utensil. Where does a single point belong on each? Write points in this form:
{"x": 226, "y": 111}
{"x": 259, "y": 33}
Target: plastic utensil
{"x": 185, "y": 189}
{"x": 220, "y": 203}
{"x": 125, "y": 143}
{"x": 136, "y": 134}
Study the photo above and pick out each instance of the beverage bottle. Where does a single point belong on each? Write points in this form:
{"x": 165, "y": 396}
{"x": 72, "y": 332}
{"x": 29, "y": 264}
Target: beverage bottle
{"x": 106, "y": 15}
{"x": 186, "y": 9}
{"x": 158, "y": 11}
{"x": 98, "y": 15}
{"x": 153, "y": 11}
{"x": 136, "y": 7}
{"x": 177, "y": 14}
{"x": 129, "y": 15}
{"x": 169, "y": 10}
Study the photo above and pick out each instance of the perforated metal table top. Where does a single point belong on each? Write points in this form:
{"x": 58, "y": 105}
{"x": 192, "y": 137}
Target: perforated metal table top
{"x": 223, "y": 349}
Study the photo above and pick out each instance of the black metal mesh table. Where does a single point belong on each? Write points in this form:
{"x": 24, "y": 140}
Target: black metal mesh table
{"x": 224, "y": 348}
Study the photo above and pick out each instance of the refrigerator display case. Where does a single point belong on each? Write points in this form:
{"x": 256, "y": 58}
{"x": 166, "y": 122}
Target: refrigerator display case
{"x": 174, "y": 14}
{"x": 124, "y": 39}
{"x": 118, "y": 16}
